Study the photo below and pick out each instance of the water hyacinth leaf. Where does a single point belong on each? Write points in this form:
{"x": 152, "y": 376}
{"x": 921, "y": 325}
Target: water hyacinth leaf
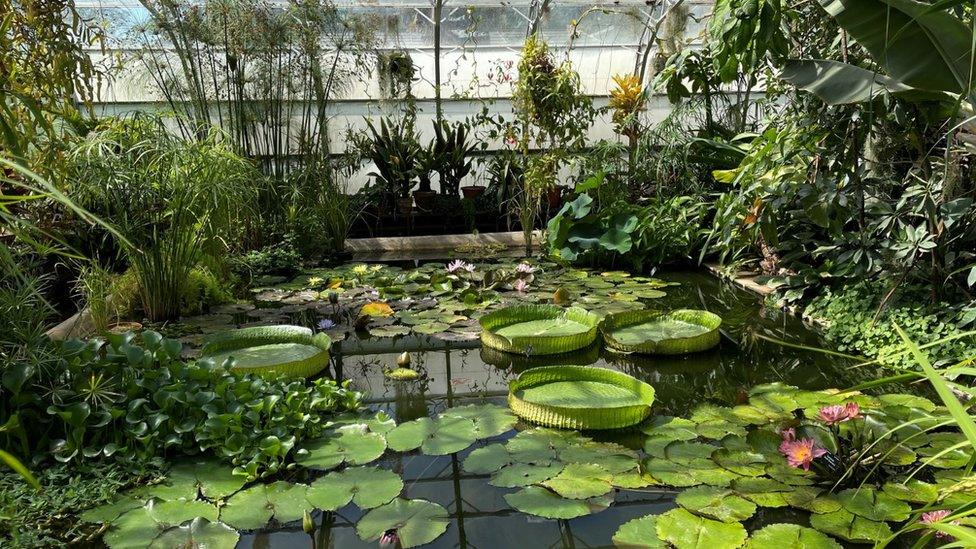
{"x": 716, "y": 503}
{"x": 199, "y": 533}
{"x": 581, "y": 481}
{"x": 524, "y": 474}
{"x": 541, "y": 502}
{"x": 488, "y": 459}
{"x": 874, "y": 505}
{"x": 640, "y": 533}
{"x": 684, "y": 530}
{"x": 436, "y": 437}
{"x": 352, "y": 446}
{"x": 850, "y": 527}
{"x": 490, "y": 420}
{"x": 416, "y": 522}
{"x": 790, "y": 536}
{"x": 254, "y": 507}
{"x": 367, "y": 487}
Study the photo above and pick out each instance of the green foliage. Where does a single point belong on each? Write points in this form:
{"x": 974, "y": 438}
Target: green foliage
{"x": 396, "y": 153}
{"x": 449, "y": 153}
{"x": 278, "y": 259}
{"x": 854, "y": 324}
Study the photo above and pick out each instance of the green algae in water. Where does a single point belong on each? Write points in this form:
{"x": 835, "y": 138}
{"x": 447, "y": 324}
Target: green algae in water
{"x": 547, "y": 327}
{"x": 658, "y": 330}
{"x": 263, "y": 355}
{"x": 580, "y": 394}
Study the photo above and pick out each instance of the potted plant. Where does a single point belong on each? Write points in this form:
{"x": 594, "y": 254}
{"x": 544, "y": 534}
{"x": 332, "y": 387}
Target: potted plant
{"x": 471, "y": 192}
{"x": 396, "y": 153}
{"x": 451, "y": 150}
{"x": 425, "y": 196}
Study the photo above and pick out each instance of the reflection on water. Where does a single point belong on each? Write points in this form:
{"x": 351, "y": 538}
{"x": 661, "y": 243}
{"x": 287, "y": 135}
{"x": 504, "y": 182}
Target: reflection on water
{"x": 458, "y": 373}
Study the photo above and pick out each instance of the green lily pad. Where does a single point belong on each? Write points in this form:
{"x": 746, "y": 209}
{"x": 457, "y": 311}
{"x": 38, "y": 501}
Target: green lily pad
{"x": 431, "y": 327}
{"x": 199, "y": 533}
{"x": 367, "y": 487}
{"x": 749, "y": 464}
{"x": 687, "y": 531}
{"x": 436, "y": 437}
{"x": 416, "y": 522}
{"x": 139, "y": 527}
{"x": 634, "y": 479}
{"x": 352, "y": 446}
{"x": 716, "y": 503}
{"x": 716, "y": 422}
{"x": 790, "y": 536}
{"x": 673, "y": 428}
{"x": 389, "y": 331}
{"x": 581, "y": 481}
{"x": 614, "y": 458}
{"x": 214, "y": 479}
{"x": 490, "y": 420}
{"x": 640, "y": 533}
{"x": 914, "y": 491}
{"x": 850, "y": 527}
{"x": 874, "y": 505}
{"x": 254, "y": 507}
{"x": 489, "y": 459}
{"x": 540, "y": 502}
{"x": 811, "y": 499}
{"x": 524, "y": 474}
{"x": 765, "y": 492}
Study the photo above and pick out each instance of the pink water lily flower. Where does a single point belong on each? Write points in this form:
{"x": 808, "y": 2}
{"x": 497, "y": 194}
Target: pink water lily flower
{"x": 459, "y": 265}
{"x": 832, "y": 415}
{"x": 389, "y": 538}
{"x": 799, "y": 453}
{"x": 937, "y": 516}
{"x": 524, "y": 268}
{"x": 853, "y": 410}
{"x": 521, "y": 285}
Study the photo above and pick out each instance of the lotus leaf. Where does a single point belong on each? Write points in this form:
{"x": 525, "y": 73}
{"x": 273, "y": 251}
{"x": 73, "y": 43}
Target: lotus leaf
{"x": 850, "y": 527}
{"x": 524, "y": 474}
{"x": 252, "y": 508}
{"x": 581, "y": 481}
{"x": 199, "y": 533}
{"x": 367, "y": 487}
{"x": 790, "y": 536}
{"x": 716, "y": 503}
{"x": 416, "y": 522}
{"x": 687, "y": 531}
{"x": 436, "y": 437}
{"x": 640, "y": 533}
{"x": 352, "y": 446}
{"x": 540, "y": 502}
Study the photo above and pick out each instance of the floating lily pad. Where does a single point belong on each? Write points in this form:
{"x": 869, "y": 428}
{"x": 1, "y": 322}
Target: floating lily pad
{"x": 139, "y": 527}
{"x": 540, "y": 502}
{"x": 581, "y": 481}
{"x": 614, "y": 458}
{"x": 351, "y": 446}
{"x": 914, "y": 491}
{"x": 490, "y": 420}
{"x": 654, "y": 332}
{"x": 874, "y": 505}
{"x": 634, "y": 479}
{"x": 671, "y": 428}
{"x": 252, "y": 508}
{"x": 431, "y": 328}
{"x": 687, "y": 531}
{"x": 199, "y": 533}
{"x": 388, "y": 331}
{"x": 538, "y": 329}
{"x": 716, "y": 503}
{"x": 214, "y": 479}
{"x": 640, "y": 533}
{"x": 436, "y": 437}
{"x": 850, "y": 527}
{"x": 790, "y": 536}
{"x": 415, "y": 522}
{"x": 367, "y": 487}
{"x": 489, "y": 459}
{"x": 524, "y": 474}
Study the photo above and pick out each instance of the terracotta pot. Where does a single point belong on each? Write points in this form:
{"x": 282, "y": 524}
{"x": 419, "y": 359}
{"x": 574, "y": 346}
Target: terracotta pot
{"x": 472, "y": 191}
{"x": 425, "y": 200}
{"x": 405, "y": 205}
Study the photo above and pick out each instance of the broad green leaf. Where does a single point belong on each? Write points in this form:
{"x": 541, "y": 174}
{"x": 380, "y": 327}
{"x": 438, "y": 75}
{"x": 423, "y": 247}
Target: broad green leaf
{"x": 538, "y": 501}
{"x": 716, "y": 503}
{"x": 436, "y": 437}
{"x": 139, "y": 527}
{"x": 581, "y": 481}
{"x": 416, "y": 522}
{"x": 367, "y": 487}
{"x": 850, "y": 527}
{"x": 214, "y": 479}
{"x": 874, "y": 505}
{"x": 351, "y": 446}
{"x": 252, "y": 508}
{"x": 490, "y": 419}
{"x": 687, "y": 531}
{"x": 200, "y": 533}
{"x": 524, "y": 474}
{"x": 640, "y": 533}
{"x": 790, "y": 536}
{"x": 488, "y": 459}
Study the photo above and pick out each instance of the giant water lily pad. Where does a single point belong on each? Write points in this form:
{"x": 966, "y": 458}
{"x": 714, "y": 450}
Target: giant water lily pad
{"x": 719, "y": 504}
{"x": 540, "y": 502}
{"x": 687, "y": 531}
{"x": 654, "y": 332}
{"x": 352, "y": 446}
{"x": 640, "y": 533}
{"x": 256, "y": 506}
{"x": 289, "y": 350}
{"x": 538, "y": 329}
{"x": 367, "y": 487}
{"x": 790, "y": 536}
{"x": 580, "y": 397}
{"x": 436, "y": 437}
{"x": 415, "y": 522}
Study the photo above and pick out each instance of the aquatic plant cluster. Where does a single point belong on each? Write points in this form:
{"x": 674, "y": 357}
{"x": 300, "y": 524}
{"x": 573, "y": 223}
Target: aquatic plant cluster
{"x": 889, "y": 459}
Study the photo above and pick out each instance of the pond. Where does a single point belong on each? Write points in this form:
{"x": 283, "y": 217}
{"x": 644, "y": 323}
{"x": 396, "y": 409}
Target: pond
{"x": 456, "y": 373}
